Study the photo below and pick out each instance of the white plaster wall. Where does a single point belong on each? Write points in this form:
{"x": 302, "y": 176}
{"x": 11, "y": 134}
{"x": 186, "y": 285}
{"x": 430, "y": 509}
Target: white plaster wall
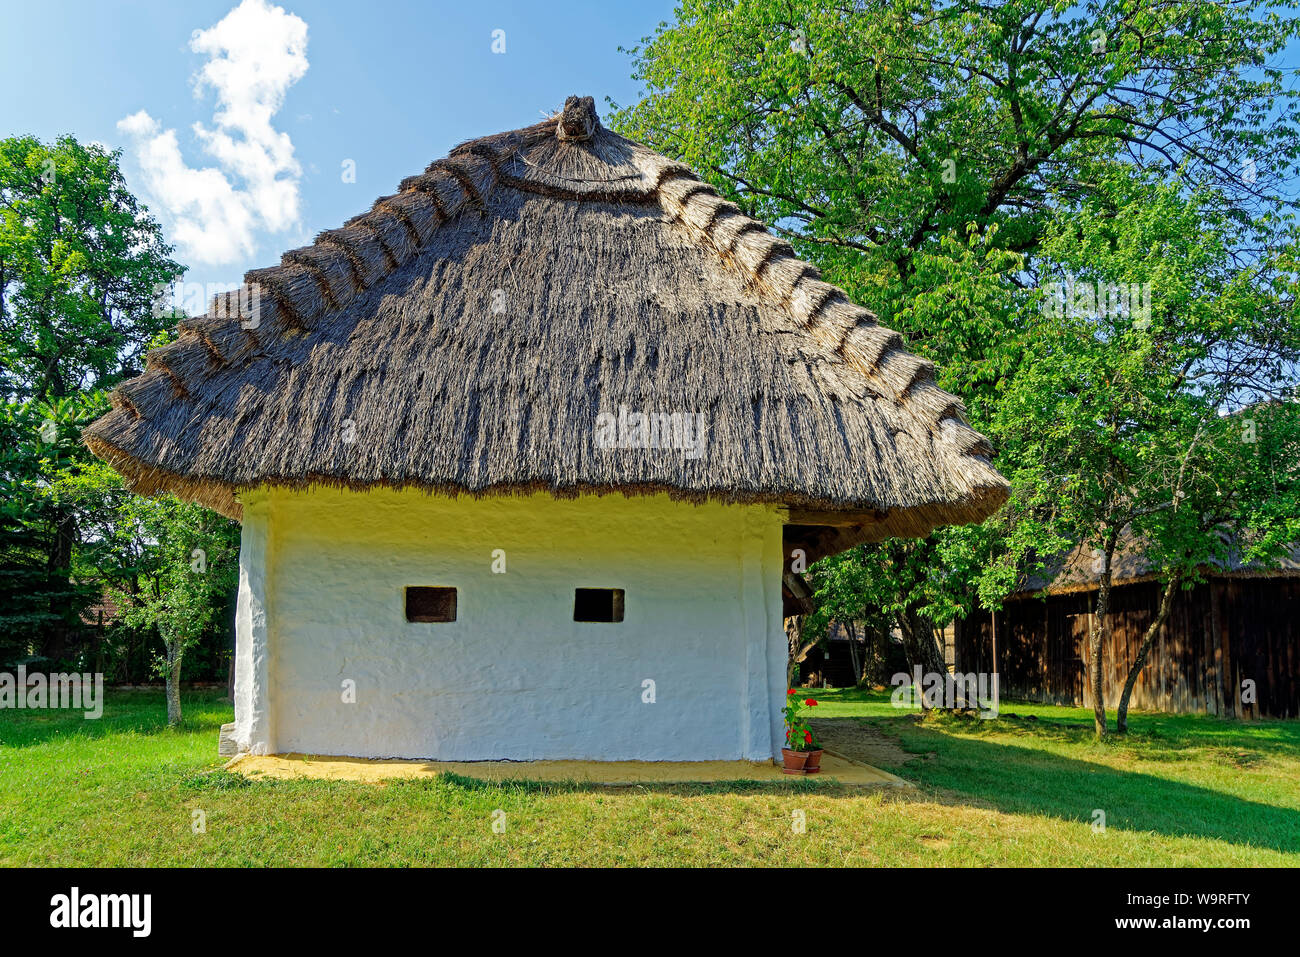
{"x": 514, "y": 677}
{"x": 252, "y": 651}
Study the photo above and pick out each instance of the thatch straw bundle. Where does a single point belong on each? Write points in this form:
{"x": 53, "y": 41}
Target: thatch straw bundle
{"x": 466, "y": 334}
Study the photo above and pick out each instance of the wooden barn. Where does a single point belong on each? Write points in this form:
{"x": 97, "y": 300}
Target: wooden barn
{"x": 1238, "y": 626}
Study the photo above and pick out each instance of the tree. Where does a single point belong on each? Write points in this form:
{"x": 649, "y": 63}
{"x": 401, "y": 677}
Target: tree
{"x": 40, "y": 444}
{"x": 186, "y": 561}
{"x": 870, "y": 132}
{"x": 854, "y": 586}
{"x": 81, "y": 266}
{"x": 840, "y": 591}
{"x": 81, "y": 263}
{"x": 1115, "y": 423}
{"x": 26, "y": 586}
{"x": 922, "y": 152}
{"x": 1234, "y": 498}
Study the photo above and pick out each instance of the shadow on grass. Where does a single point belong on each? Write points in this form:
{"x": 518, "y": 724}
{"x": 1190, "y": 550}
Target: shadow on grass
{"x": 964, "y": 770}
{"x": 1171, "y": 731}
{"x": 1023, "y": 779}
{"x": 436, "y": 780}
{"x": 1014, "y": 772}
{"x": 826, "y": 787}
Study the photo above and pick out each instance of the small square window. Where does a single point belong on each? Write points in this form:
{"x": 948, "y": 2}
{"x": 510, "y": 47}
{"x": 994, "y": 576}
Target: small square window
{"x": 430, "y": 604}
{"x": 598, "y": 604}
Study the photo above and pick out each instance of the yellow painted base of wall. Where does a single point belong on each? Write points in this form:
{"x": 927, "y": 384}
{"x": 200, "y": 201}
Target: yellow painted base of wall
{"x": 834, "y": 768}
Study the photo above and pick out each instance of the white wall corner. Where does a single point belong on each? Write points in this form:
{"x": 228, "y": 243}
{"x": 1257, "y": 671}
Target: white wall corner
{"x": 778, "y": 651}
{"x": 252, "y": 646}
{"x": 764, "y": 635}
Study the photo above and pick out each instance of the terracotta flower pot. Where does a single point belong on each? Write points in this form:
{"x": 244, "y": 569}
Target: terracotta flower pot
{"x": 813, "y": 764}
{"x": 792, "y": 762}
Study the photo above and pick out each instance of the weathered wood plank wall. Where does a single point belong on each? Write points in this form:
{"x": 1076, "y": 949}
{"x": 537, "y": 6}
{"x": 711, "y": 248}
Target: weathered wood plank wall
{"x": 1218, "y": 635}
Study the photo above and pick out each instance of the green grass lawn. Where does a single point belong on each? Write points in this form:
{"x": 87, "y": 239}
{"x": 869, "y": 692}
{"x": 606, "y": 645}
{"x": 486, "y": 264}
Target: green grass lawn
{"x": 1179, "y": 791}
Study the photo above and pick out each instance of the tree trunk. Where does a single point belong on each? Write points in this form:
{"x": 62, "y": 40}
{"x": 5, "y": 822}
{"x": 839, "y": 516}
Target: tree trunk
{"x": 870, "y": 655}
{"x": 174, "y": 656}
{"x": 59, "y": 566}
{"x": 1100, "y": 636}
{"x": 1095, "y": 644}
{"x": 1148, "y": 640}
{"x": 862, "y": 679}
{"x": 919, "y": 644}
{"x": 798, "y": 650}
{"x": 854, "y": 659}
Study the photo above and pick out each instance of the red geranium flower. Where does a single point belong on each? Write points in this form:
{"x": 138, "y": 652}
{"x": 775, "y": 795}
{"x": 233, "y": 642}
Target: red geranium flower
{"x": 807, "y": 737}
{"x": 790, "y": 691}
{"x": 811, "y": 702}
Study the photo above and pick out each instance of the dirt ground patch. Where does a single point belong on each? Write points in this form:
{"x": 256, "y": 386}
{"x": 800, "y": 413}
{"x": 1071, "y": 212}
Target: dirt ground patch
{"x": 594, "y": 772}
{"x": 861, "y": 741}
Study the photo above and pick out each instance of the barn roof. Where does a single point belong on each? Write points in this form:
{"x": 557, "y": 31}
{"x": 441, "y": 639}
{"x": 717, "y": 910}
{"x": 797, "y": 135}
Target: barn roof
{"x": 1079, "y": 568}
{"x": 465, "y": 334}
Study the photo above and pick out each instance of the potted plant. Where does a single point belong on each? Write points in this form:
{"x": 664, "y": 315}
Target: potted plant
{"x": 802, "y": 753}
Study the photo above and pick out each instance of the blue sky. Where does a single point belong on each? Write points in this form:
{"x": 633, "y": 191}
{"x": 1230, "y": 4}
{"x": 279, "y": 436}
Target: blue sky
{"x": 390, "y": 85}
{"x": 384, "y": 86}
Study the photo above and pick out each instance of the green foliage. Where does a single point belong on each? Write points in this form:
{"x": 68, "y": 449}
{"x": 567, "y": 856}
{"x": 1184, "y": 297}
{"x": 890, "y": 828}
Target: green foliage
{"x": 81, "y": 266}
{"x": 871, "y": 132}
{"x": 169, "y": 565}
{"x": 799, "y": 735}
{"x": 943, "y": 162}
{"x": 186, "y": 560}
{"x": 39, "y": 445}
{"x": 81, "y": 263}
{"x": 1119, "y": 419}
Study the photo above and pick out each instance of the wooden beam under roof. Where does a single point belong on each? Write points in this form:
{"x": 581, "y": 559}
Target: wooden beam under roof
{"x": 832, "y": 517}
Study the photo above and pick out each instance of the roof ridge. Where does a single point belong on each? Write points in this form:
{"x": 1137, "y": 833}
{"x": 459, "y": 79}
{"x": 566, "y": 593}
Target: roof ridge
{"x": 341, "y": 264}
{"x": 822, "y": 311}
{"x": 279, "y": 302}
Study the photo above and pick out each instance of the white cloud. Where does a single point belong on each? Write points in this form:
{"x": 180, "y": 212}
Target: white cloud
{"x": 255, "y": 53}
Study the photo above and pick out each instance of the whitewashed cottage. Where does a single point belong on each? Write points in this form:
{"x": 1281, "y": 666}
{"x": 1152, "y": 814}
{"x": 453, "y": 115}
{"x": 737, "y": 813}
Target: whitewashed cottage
{"x": 523, "y": 455}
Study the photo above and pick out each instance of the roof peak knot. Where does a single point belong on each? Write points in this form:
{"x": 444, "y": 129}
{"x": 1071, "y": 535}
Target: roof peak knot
{"x": 578, "y": 120}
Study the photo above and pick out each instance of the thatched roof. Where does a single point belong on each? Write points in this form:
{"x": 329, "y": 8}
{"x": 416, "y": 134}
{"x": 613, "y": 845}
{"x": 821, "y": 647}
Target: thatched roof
{"x": 465, "y": 334}
{"x": 1079, "y": 569}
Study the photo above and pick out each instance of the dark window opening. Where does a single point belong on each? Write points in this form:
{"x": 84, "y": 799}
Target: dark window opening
{"x": 598, "y": 604}
{"x": 430, "y": 604}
